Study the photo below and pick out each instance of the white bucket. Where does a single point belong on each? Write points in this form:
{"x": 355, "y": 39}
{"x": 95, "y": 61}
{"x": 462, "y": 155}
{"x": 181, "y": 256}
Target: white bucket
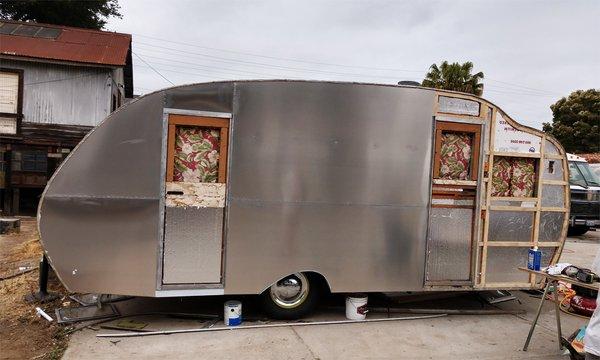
{"x": 356, "y": 307}
{"x": 232, "y": 313}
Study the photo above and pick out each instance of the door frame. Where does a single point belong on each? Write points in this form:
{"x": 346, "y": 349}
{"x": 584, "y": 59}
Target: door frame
{"x": 163, "y": 290}
{"x": 479, "y": 128}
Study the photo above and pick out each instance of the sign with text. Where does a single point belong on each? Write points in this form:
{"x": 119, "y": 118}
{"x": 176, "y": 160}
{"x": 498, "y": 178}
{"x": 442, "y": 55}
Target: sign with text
{"x": 509, "y": 139}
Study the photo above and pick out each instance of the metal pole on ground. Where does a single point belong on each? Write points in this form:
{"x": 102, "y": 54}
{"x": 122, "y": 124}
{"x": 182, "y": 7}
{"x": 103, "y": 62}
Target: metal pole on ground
{"x": 42, "y": 295}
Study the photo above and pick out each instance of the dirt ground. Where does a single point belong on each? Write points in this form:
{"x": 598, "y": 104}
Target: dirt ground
{"x": 24, "y": 335}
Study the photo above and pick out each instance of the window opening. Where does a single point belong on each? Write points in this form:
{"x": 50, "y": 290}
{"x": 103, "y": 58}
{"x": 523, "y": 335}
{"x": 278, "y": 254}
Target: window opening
{"x": 456, "y": 151}
{"x": 196, "y": 154}
{"x": 513, "y": 177}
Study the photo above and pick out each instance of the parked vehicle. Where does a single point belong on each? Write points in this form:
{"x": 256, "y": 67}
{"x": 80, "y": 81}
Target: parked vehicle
{"x": 585, "y": 196}
{"x": 283, "y": 188}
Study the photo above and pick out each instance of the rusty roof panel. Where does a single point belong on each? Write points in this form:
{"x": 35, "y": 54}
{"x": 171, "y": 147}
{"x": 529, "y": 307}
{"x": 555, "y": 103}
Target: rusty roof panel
{"x": 73, "y": 44}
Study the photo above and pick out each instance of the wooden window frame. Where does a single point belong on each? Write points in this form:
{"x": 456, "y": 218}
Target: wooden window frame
{"x": 446, "y": 126}
{"x": 18, "y": 116}
{"x": 201, "y": 121}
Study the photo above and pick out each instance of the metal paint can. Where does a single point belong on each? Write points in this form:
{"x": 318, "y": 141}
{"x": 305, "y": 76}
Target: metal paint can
{"x": 356, "y": 307}
{"x": 232, "y": 313}
{"x": 534, "y": 259}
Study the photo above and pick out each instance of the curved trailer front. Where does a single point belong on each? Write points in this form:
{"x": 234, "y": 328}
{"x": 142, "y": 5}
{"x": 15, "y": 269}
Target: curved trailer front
{"x": 228, "y": 187}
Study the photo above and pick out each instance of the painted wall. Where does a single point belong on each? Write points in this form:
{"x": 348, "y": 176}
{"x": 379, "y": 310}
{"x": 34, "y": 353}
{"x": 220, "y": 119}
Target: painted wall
{"x": 65, "y": 94}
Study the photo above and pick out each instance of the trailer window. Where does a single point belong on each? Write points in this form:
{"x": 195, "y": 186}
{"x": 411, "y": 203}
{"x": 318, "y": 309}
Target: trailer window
{"x": 196, "y": 154}
{"x": 457, "y": 151}
{"x": 455, "y": 158}
{"x": 197, "y": 149}
{"x": 513, "y": 177}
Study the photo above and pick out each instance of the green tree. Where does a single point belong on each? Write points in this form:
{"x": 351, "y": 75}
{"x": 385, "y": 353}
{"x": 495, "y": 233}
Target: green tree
{"x": 576, "y": 121}
{"x": 455, "y": 77}
{"x": 91, "y": 14}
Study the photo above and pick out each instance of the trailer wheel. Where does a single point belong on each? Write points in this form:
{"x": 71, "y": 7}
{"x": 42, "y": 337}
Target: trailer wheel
{"x": 577, "y": 230}
{"x": 292, "y": 297}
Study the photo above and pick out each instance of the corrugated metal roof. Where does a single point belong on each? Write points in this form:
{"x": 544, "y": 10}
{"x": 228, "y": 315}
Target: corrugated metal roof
{"x": 72, "y": 44}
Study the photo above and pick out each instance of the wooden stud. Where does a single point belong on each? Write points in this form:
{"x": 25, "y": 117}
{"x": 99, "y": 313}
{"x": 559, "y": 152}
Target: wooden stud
{"x": 519, "y": 244}
{"x": 461, "y": 183}
{"x": 538, "y": 206}
{"x": 450, "y": 206}
{"x": 488, "y": 195}
{"x": 507, "y": 285}
{"x": 567, "y": 198}
{"x": 171, "y": 152}
{"x": 555, "y": 182}
{"x": 517, "y": 154}
{"x": 511, "y": 208}
{"x": 198, "y": 121}
{"x": 556, "y": 209}
{"x": 223, "y": 155}
{"x": 514, "y": 198}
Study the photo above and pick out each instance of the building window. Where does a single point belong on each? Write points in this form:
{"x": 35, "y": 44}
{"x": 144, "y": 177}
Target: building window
{"x": 11, "y": 100}
{"x": 33, "y": 161}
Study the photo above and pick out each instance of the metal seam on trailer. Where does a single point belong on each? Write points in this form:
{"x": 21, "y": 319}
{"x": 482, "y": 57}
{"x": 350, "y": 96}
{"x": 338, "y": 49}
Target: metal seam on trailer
{"x": 332, "y": 322}
{"x": 197, "y": 113}
{"x": 116, "y": 197}
{"x": 323, "y": 203}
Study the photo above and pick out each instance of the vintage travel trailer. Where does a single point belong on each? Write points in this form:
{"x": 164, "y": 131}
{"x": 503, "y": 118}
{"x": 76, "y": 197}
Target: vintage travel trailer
{"x": 281, "y": 187}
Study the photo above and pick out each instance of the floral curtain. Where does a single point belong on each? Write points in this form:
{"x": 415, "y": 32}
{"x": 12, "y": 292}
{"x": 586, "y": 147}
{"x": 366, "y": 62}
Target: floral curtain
{"x": 455, "y": 155}
{"x": 196, "y": 154}
{"x": 523, "y": 177}
{"x": 501, "y": 176}
{"x": 513, "y": 177}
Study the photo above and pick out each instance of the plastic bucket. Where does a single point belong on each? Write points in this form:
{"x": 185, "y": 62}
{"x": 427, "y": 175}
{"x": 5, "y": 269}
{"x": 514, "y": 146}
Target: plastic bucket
{"x": 356, "y": 307}
{"x": 232, "y": 313}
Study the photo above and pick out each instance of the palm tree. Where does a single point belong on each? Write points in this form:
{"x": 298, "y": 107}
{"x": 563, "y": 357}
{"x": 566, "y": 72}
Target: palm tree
{"x": 455, "y": 77}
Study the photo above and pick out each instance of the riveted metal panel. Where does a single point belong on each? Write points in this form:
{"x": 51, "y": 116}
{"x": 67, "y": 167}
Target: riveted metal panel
{"x": 332, "y": 178}
{"x": 215, "y": 97}
{"x": 503, "y": 263}
{"x": 192, "y": 248}
{"x": 450, "y": 232}
{"x": 99, "y": 217}
{"x": 511, "y": 226}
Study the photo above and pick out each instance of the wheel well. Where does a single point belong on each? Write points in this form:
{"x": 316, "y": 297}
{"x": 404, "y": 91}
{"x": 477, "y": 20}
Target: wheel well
{"x": 320, "y": 279}
{"x": 313, "y": 275}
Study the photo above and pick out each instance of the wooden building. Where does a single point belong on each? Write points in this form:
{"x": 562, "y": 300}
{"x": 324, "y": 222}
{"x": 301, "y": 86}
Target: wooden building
{"x": 56, "y": 84}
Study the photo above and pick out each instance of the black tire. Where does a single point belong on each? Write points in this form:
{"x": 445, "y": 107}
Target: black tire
{"x": 577, "y": 230}
{"x": 274, "y": 310}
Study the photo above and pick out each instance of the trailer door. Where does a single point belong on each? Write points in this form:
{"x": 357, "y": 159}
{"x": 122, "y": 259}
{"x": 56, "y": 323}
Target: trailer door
{"x": 453, "y": 203}
{"x": 196, "y": 172}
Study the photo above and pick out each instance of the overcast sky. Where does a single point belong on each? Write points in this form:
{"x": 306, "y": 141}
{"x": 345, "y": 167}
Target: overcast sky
{"x": 531, "y": 52}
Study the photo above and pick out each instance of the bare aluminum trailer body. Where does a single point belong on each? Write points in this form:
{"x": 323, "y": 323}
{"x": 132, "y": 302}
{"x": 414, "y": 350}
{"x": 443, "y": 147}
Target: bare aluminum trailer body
{"x": 338, "y": 179}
